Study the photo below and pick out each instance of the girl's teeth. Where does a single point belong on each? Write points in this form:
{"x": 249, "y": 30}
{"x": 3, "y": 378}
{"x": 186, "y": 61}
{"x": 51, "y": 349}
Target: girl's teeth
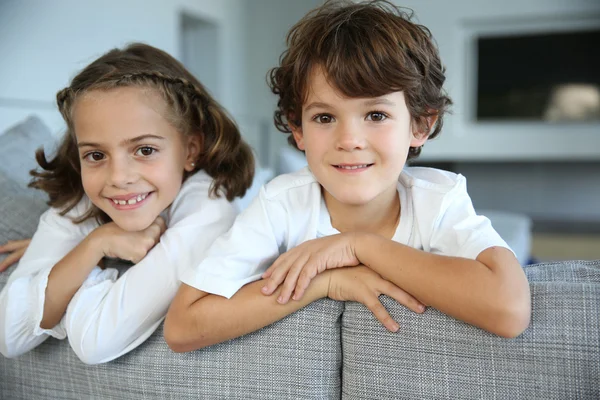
{"x": 131, "y": 201}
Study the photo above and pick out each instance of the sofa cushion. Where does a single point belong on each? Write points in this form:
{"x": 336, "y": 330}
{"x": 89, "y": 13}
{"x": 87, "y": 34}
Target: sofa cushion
{"x": 19, "y": 215}
{"x": 18, "y": 146}
{"x": 434, "y": 356}
{"x": 297, "y": 358}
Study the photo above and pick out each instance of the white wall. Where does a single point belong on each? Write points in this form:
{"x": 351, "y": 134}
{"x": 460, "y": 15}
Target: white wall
{"x": 452, "y": 23}
{"x": 45, "y": 43}
{"x": 268, "y": 22}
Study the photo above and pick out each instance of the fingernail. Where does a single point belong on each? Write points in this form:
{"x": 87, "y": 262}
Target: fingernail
{"x": 421, "y": 308}
{"x": 395, "y": 328}
{"x": 265, "y": 289}
{"x": 280, "y": 299}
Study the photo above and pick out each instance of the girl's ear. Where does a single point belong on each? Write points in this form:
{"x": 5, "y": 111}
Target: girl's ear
{"x": 298, "y": 136}
{"x": 421, "y": 130}
{"x": 194, "y": 147}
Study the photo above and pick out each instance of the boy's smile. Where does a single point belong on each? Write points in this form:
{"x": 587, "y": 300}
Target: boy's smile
{"x": 355, "y": 147}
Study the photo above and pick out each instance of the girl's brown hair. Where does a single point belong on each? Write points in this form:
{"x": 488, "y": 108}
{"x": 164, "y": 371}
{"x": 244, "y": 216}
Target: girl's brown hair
{"x": 191, "y": 110}
{"x": 366, "y": 49}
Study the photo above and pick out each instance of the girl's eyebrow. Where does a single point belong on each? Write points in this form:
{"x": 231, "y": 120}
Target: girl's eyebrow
{"x": 124, "y": 142}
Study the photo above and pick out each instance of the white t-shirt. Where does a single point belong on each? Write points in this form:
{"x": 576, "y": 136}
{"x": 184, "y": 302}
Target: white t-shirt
{"x": 437, "y": 216}
{"x": 109, "y": 315}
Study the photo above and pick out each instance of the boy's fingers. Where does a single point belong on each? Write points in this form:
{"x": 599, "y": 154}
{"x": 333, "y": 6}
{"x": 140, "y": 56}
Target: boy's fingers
{"x": 382, "y": 315}
{"x": 304, "y": 279}
{"x": 402, "y": 297}
{"x": 290, "y": 282}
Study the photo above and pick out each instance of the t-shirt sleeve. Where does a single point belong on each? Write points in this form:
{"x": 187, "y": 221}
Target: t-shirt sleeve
{"x": 244, "y": 252}
{"x": 458, "y": 231}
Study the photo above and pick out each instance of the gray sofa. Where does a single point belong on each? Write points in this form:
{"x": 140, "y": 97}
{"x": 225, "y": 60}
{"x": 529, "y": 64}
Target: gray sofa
{"x": 334, "y": 350}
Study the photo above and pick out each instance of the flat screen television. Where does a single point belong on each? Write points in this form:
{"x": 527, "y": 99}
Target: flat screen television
{"x": 539, "y": 76}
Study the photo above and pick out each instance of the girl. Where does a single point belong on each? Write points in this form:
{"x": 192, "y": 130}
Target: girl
{"x": 146, "y": 172}
{"x": 360, "y": 89}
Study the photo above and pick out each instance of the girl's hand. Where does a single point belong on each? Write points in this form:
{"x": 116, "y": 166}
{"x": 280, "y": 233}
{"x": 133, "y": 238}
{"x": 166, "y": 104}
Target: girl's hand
{"x": 16, "y": 248}
{"x": 363, "y": 285}
{"x": 133, "y": 246}
{"x": 302, "y": 263}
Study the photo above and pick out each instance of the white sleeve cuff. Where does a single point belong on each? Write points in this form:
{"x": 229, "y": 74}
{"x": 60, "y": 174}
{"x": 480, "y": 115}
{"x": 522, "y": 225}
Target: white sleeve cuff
{"x": 219, "y": 285}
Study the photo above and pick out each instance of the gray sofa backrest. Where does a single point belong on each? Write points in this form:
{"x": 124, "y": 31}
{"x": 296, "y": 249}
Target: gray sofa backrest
{"x": 434, "y": 356}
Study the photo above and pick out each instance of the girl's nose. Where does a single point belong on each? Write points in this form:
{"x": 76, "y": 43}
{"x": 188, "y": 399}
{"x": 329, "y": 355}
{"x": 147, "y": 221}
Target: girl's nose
{"x": 121, "y": 173}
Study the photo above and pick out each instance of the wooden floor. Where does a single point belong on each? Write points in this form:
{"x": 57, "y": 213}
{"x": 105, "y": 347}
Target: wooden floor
{"x": 548, "y": 247}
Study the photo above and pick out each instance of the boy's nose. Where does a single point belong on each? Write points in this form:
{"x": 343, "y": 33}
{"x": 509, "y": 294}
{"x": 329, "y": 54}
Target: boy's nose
{"x": 349, "y": 137}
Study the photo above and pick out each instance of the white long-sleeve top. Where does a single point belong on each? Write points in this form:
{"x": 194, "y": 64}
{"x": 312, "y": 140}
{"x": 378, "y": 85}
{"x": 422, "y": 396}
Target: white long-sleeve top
{"x": 109, "y": 315}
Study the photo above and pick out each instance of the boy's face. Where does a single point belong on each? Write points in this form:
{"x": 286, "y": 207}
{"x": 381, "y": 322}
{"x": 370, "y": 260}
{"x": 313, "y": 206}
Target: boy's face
{"x": 355, "y": 147}
{"x": 132, "y": 159}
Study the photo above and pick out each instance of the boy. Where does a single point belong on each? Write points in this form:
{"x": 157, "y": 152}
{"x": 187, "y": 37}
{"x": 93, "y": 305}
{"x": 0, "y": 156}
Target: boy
{"x": 360, "y": 91}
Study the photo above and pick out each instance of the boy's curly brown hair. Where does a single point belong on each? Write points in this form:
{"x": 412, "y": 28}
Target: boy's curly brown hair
{"x": 366, "y": 49}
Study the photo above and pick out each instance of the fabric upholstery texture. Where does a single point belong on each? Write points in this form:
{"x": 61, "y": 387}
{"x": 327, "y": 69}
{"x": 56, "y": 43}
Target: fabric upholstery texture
{"x": 434, "y": 356}
{"x": 18, "y": 146}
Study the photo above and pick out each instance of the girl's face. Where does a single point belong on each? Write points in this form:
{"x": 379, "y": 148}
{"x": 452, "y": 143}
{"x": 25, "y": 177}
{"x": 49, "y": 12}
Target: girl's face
{"x": 355, "y": 147}
{"x": 132, "y": 159}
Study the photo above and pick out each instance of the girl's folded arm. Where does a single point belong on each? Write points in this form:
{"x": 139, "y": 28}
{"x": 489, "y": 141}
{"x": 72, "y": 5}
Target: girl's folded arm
{"x": 111, "y": 317}
{"x": 23, "y": 297}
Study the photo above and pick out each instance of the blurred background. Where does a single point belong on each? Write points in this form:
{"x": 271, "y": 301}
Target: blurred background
{"x": 524, "y": 76}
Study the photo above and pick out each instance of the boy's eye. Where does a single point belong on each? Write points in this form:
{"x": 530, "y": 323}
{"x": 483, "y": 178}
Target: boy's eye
{"x": 145, "y": 151}
{"x": 94, "y": 156}
{"x": 323, "y": 119}
{"x": 376, "y": 116}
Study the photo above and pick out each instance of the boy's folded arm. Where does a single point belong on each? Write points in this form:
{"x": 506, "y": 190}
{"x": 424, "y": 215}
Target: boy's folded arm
{"x": 490, "y": 292}
{"x": 197, "y": 319}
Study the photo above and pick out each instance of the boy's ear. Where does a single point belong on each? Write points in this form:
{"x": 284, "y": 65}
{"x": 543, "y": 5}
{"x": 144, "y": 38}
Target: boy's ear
{"x": 194, "y": 147}
{"x": 298, "y": 136}
{"x": 421, "y": 130}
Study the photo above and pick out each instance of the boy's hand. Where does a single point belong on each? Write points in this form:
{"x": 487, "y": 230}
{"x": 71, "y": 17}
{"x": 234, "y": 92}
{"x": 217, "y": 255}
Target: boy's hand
{"x": 363, "y": 285}
{"x": 302, "y": 263}
{"x": 16, "y": 248}
{"x": 132, "y": 246}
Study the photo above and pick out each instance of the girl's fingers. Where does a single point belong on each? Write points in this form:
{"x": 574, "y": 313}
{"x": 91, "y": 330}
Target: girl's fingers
{"x": 402, "y": 297}
{"x": 13, "y": 245}
{"x": 382, "y": 315}
{"x": 11, "y": 259}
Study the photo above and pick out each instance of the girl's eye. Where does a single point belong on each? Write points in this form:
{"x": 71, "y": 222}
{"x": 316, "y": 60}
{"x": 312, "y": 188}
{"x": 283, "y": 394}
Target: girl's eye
{"x": 145, "y": 151}
{"x": 376, "y": 116}
{"x": 323, "y": 119}
{"x": 94, "y": 156}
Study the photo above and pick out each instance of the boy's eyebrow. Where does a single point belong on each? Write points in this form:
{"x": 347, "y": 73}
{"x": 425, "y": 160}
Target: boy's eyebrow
{"x": 316, "y": 105}
{"x": 378, "y": 101}
{"x": 368, "y": 103}
{"x": 124, "y": 142}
